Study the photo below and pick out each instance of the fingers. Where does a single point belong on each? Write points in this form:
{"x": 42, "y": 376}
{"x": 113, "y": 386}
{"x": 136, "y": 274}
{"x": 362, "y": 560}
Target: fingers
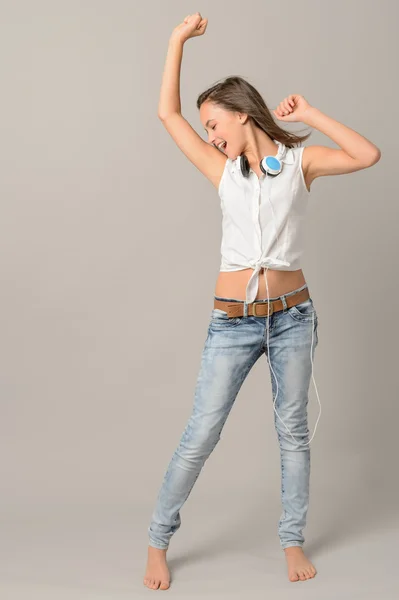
{"x": 202, "y": 23}
{"x": 285, "y": 107}
{"x": 195, "y": 16}
{"x": 201, "y": 26}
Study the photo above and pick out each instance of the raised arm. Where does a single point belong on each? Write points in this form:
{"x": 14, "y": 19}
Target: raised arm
{"x": 356, "y": 152}
{"x": 208, "y": 159}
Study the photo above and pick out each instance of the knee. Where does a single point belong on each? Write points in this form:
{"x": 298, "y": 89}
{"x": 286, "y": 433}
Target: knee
{"x": 294, "y": 439}
{"x": 198, "y": 442}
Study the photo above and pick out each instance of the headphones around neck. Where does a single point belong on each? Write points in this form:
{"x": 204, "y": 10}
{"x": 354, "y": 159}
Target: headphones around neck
{"x": 269, "y": 165}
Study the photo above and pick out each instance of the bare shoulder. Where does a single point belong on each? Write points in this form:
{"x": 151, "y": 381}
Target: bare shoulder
{"x": 306, "y": 156}
{"x": 219, "y": 165}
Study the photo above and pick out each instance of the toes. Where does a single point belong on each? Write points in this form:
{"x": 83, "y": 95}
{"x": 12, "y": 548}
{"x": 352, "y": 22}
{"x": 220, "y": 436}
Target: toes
{"x": 154, "y": 584}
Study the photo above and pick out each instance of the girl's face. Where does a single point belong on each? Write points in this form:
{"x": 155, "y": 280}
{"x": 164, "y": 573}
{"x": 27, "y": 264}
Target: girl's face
{"x": 223, "y": 126}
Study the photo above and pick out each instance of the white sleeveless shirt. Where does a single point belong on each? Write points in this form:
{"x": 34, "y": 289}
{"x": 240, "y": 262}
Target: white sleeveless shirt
{"x": 263, "y": 219}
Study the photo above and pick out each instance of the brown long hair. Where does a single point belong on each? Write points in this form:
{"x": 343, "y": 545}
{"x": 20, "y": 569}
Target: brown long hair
{"x": 236, "y": 94}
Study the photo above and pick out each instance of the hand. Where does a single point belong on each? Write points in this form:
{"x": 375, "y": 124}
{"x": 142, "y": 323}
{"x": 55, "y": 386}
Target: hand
{"x": 292, "y": 108}
{"x": 192, "y": 26}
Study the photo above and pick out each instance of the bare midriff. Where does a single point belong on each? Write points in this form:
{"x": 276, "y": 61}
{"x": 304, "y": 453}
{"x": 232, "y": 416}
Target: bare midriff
{"x": 232, "y": 284}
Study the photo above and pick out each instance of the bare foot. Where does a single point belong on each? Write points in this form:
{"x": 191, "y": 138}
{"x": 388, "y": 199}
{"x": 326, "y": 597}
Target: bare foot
{"x": 157, "y": 574}
{"x": 299, "y": 567}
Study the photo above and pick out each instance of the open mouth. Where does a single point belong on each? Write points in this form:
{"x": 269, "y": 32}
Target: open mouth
{"x": 223, "y": 146}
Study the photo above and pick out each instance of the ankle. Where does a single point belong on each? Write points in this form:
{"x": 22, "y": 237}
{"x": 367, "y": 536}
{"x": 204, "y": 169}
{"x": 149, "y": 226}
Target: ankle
{"x": 154, "y": 549}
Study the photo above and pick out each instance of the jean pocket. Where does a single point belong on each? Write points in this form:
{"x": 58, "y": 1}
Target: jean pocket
{"x": 220, "y": 318}
{"x": 304, "y": 311}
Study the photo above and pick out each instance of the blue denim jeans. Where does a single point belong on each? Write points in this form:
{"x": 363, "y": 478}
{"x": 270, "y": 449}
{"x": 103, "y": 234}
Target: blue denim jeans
{"x": 232, "y": 347}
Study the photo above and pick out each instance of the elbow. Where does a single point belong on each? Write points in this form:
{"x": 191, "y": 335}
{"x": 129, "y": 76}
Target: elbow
{"x": 376, "y": 155}
{"x": 375, "y": 158}
{"x": 164, "y": 116}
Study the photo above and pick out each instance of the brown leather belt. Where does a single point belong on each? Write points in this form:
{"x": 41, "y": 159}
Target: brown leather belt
{"x": 259, "y": 309}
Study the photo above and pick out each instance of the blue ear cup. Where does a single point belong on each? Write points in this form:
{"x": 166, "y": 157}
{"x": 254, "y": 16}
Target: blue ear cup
{"x": 271, "y": 165}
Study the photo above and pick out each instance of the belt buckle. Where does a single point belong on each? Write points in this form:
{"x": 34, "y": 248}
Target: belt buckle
{"x": 270, "y": 309}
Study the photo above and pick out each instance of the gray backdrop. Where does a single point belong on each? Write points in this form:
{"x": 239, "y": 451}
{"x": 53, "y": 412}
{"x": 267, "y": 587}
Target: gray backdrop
{"x": 110, "y": 242}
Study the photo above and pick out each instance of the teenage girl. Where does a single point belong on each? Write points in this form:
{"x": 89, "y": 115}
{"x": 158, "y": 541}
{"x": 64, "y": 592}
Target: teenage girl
{"x": 264, "y": 203}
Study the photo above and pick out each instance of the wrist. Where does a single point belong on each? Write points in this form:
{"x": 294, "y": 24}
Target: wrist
{"x": 310, "y": 115}
{"x": 176, "y": 40}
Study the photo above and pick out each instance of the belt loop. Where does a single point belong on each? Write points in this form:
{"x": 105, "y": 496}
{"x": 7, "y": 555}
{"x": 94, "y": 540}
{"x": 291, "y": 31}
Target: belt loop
{"x": 245, "y": 309}
{"x": 284, "y": 301}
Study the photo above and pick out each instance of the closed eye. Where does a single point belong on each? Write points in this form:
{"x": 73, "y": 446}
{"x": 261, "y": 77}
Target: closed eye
{"x": 211, "y": 128}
